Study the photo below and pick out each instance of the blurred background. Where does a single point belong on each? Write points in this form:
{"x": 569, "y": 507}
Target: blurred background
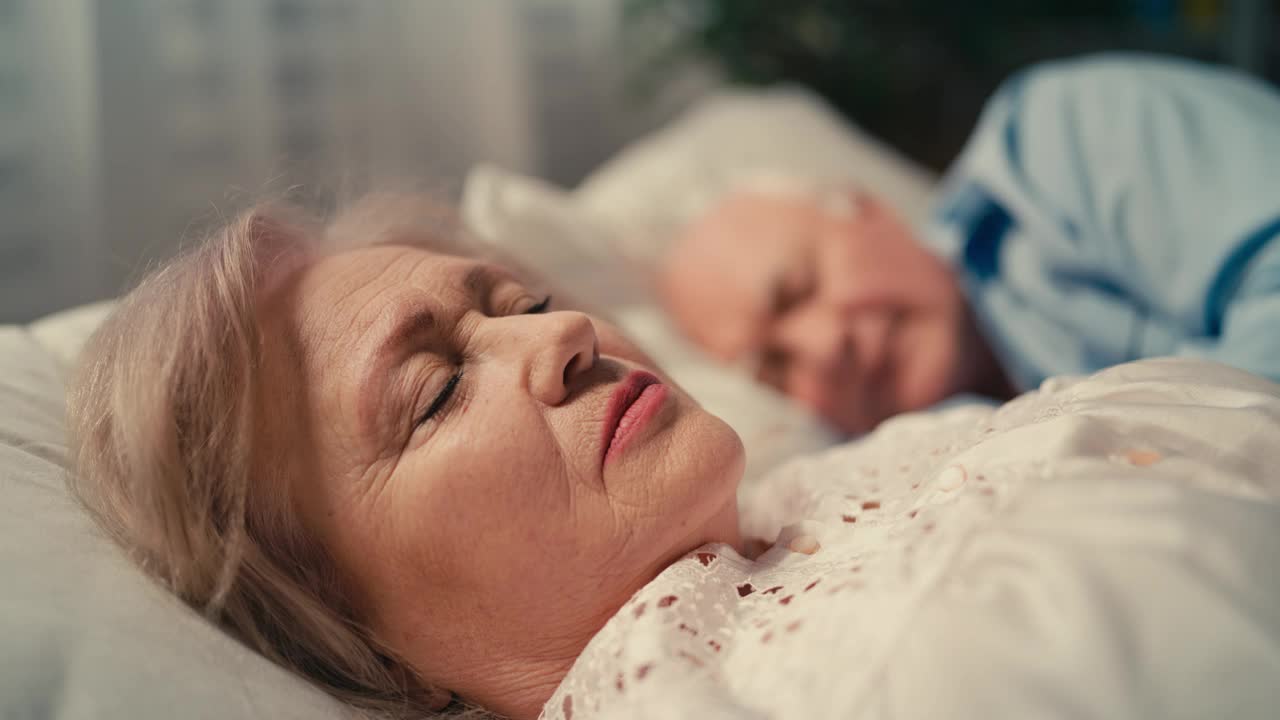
{"x": 124, "y": 124}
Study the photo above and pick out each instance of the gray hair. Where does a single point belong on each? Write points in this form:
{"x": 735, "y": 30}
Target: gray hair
{"x": 162, "y": 417}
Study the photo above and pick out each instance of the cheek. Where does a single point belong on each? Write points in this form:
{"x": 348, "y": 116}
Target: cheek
{"x": 491, "y": 461}
{"x": 926, "y": 374}
{"x": 815, "y": 390}
{"x": 614, "y": 343}
{"x": 501, "y": 453}
{"x": 854, "y": 269}
{"x": 488, "y": 507}
{"x": 677, "y": 484}
{"x": 524, "y": 526}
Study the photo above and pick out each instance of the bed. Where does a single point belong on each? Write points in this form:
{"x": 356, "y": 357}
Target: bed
{"x": 87, "y": 635}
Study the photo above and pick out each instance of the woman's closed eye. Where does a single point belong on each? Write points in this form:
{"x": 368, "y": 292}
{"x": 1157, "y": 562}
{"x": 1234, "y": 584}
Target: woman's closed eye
{"x": 440, "y": 403}
{"x": 442, "y": 399}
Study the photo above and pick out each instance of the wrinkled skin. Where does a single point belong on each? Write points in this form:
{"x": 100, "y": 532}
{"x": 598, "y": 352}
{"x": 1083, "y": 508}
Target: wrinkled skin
{"x": 489, "y": 542}
{"x": 840, "y": 308}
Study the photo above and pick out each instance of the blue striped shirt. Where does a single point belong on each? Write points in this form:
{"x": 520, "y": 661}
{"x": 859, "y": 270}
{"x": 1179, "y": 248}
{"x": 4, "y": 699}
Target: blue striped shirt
{"x": 1118, "y": 207}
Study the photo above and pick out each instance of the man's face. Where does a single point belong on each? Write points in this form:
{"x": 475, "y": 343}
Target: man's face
{"x": 829, "y": 299}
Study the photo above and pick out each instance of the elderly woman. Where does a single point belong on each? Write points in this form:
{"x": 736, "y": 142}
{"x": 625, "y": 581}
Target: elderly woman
{"x": 404, "y": 472}
{"x": 409, "y": 474}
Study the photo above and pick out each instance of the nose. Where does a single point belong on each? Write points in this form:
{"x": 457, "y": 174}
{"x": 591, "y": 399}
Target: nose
{"x": 814, "y": 337}
{"x": 817, "y": 349}
{"x": 554, "y": 350}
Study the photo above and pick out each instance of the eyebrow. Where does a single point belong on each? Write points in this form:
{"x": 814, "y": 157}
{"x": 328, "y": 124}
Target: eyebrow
{"x": 421, "y": 321}
{"x": 411, "y": 325}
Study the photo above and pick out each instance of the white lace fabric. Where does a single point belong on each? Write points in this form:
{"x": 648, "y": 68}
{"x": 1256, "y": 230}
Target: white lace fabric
{"x": 979, "y": 561}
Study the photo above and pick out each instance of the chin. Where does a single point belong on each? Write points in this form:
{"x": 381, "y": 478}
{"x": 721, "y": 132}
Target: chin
{"x": 700, "y": 489}
{"x": 717, "y": 493}
{"x": 716, "y": 461}
{"x": 722, "y": 452}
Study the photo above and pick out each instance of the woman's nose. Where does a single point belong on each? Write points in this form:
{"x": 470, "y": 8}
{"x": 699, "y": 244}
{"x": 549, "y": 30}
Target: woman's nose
{"x": 561, "y": 346}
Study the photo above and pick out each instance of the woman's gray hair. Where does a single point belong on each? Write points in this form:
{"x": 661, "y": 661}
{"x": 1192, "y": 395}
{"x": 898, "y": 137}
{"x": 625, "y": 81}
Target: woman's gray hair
{"x": 164, "y": 413}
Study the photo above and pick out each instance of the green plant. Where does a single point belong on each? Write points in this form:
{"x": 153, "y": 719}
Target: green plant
{"x": 891, "y": 65}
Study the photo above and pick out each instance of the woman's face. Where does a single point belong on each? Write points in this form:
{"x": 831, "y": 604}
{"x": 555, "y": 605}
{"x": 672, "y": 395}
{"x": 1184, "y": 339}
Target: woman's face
{"x": 452, "y": 447}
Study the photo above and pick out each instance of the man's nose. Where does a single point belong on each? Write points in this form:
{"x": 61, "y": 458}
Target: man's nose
{"x": 815, "y": 337}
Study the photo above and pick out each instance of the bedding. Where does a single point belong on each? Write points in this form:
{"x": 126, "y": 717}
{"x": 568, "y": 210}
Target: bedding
{"x": 85, "y": 633}
{"x": 1104, "y": 547}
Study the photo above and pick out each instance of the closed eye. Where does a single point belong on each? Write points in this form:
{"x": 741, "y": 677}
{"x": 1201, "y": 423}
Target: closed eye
{"x": 773, "y": 366}
{"x": 540, "y": 307}
{"x": 791, "y": 288}
{"x": 442, "y": 399}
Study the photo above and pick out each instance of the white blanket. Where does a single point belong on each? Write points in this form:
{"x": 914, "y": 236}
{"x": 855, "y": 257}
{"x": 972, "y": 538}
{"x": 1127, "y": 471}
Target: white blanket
{"x": 1105, "y": 547}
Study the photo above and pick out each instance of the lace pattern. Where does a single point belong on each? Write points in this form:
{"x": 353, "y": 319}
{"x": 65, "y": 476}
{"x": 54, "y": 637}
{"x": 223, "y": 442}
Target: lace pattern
{"x": 865, "y": 532}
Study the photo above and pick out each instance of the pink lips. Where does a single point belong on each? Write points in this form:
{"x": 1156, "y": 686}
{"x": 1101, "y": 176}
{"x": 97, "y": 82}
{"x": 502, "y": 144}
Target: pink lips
{"x": 634, "y": 402}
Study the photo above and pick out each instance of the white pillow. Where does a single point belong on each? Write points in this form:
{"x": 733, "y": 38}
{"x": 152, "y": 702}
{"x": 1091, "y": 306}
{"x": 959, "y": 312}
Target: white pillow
{"x": 539, "y": 225}
{"x": 86, "y": 634}
{"x": 658, "y": 183}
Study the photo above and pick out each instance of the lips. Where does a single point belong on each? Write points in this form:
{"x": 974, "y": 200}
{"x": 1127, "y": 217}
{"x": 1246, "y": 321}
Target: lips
{"x": 636, "y": 399}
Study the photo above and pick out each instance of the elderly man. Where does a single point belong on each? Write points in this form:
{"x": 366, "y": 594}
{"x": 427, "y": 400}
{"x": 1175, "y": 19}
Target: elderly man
{"x": 1105, "y": 209}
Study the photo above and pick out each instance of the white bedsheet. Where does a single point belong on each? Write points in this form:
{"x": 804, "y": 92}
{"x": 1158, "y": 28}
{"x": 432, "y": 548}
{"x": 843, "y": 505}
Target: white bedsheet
{"x": 1104, "y": 547}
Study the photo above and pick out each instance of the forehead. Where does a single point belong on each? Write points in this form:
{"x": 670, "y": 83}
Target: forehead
{"x": 745, "y": 242}
{"x": 340, "y": 298}
{"x": 767, "y": 213}
{"x": 371, "y": 270}
{"x": 721, "y": 273}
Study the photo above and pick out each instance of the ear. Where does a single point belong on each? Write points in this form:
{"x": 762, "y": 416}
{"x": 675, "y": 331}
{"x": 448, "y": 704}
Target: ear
{"x": 437, "y": 699}
{"x": 278, "y": 244}
{"x": 434, "y": 697}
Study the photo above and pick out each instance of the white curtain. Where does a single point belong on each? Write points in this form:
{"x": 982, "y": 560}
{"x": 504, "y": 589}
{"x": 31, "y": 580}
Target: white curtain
{"x": 126, "y": 123}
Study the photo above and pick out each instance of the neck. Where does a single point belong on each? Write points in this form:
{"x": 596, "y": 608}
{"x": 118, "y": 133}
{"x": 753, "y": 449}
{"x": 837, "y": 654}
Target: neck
{"x": 518, "y": 688}
{"x": 512, "y": 666}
